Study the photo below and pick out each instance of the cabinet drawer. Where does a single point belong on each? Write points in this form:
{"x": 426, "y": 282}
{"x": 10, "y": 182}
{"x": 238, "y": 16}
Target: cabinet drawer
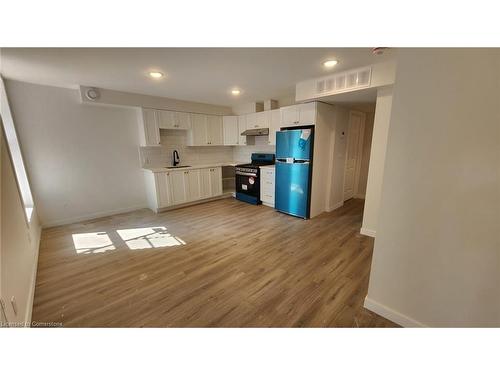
{"x": 268, "y": 198}
{"x": 268, "y": 193}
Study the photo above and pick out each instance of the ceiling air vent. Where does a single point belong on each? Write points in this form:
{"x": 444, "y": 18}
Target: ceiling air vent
{"x": 320, "y": 86}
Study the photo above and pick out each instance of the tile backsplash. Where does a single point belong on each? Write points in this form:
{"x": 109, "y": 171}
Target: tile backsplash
{"x": 192, "y": 155}
{"x": 176, "y": 140}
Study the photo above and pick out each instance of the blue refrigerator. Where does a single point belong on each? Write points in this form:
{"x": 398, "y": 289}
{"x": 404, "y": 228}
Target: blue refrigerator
{"x": 294, "y": 150}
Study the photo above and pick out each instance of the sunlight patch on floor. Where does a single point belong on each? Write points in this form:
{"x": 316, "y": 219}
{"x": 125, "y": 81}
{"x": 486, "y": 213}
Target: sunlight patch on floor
{"x": 92, "y": 243}
{"x": 134, "y": 238}
{"x": 148, "y": 238}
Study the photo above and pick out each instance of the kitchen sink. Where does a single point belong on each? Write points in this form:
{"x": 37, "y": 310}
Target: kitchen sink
{"x": 178, "y": 166}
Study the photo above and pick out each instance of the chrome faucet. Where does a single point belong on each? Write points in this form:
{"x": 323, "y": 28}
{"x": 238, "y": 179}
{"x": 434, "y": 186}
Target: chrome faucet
{"x": 176, "y": 158}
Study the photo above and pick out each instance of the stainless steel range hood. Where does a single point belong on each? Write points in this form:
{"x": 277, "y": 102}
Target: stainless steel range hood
{"x": 258, "y": 131}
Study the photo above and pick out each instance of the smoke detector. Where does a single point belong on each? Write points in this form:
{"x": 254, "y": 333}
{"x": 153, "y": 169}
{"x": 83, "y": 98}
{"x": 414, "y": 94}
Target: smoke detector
{"x": 92, "y": 94}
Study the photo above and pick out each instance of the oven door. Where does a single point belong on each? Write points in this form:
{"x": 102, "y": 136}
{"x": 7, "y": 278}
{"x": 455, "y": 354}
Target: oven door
{"x": 247, "y": 184}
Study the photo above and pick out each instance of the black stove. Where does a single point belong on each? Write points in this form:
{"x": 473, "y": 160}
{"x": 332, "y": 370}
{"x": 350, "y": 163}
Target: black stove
{"x": 248, "y": 178}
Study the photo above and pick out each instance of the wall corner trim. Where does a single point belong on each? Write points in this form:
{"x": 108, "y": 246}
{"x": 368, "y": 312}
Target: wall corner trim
{"x": 368, "y": 232}
{"x": 31, "y": 296}
{"x": 392, "y": 315}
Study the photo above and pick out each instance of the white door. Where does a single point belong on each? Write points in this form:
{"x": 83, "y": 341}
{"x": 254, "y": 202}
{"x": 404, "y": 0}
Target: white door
{"x": 274, "y": 125}
{"x": 162, "y": 181}
{"x": 230, "y": 125}
{"x": 183, "y": 120}
{"x": 216, "y": 181}
{"x": 242, "y": 126}
{"x": 289, "y": 115}
{"x": 353, "y": 153}
{"x": 192, "y": 185}
{"x": 307, "y": 114}
{"x": 151, "y": 130}
{"x": 214, "y": 130}
{"x": 178, "y": 190}
{"x": 205, "y": 184}
{"x": 198, "y": 130}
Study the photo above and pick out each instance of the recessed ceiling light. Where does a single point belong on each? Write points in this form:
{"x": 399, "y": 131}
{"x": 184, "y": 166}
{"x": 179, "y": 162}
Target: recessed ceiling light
{"x": 235, "y": 92}
{"x": 156, "y": 74}
{"x": 330, "y": 63}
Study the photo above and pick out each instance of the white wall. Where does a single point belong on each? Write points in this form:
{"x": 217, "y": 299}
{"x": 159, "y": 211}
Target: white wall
{"x": 377, "y": 161}
{"x": 18, "y": 246}
{"x": 436, "y": 260}
{"x": 82, "y": 159}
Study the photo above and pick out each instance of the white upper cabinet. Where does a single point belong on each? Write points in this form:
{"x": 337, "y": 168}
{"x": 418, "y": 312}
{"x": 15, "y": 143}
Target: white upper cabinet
{"x": 215, "y": 132}
{"x": 150, "y": 132}
{"x": 289, "y": 116}
{"x": 206, "y": 130}
{"x": 166, "y": 119}
{"x": 251, "y": 121}
{"x": 242, "y": 126}
{"x": 262, "y": 119}
{"x": 230, "y": 126}
{"x": 174, "y": 120}
{"x": 307, "y": 114}
{"x": 274, "y": 125}
{"x": 298, "y": 115}
{"x": 183, "y": 120}
{"x": 198, "y": 134}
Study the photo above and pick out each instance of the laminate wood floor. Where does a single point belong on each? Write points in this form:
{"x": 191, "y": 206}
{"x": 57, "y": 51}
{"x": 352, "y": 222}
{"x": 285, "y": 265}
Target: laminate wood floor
{"x": 218, "y": 264}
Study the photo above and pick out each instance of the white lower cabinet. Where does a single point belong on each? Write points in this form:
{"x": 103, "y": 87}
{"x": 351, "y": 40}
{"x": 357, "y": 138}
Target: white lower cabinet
{"x": 165, "y": 189}
{"x": 192, "y": 185}
{"x": 177, "y": 187}
{"x": 267, "y": 185}
{"x": 215, "y": 181}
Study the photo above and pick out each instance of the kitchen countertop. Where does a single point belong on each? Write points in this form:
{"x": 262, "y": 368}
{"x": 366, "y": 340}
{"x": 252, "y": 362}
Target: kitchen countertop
{"x": 271, "y": 166}
{"x": 199, "y": 166}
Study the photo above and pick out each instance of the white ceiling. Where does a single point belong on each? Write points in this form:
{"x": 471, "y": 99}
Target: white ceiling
{"x": 196, "y": 74}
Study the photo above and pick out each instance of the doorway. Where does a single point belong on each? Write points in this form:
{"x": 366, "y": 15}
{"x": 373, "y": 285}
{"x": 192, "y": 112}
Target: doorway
{"x": 354, "y": 153}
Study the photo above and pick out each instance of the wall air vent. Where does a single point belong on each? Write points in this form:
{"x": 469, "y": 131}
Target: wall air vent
{"x": 346, "y": 81}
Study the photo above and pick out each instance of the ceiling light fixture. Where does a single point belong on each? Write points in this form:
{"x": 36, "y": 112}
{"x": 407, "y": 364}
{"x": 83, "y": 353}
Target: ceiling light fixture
{"x": 330, "y": 63}
{"x": 156, "y": 74}
{"x": 235, "y": 92}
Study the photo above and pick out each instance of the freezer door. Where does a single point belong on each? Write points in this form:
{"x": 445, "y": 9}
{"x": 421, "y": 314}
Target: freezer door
{"x": 290, "y": 145}
{"x": 292, "y": 188}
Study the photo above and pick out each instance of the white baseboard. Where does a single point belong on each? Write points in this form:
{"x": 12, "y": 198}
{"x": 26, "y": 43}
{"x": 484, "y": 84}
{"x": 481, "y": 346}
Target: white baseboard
{"x": 359, "y": 196}
{"x": 368, "y": 232}
{"x": 392, "y": 315}
{"x": 335, "y": 206}
{"x": 96, "y": 215}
